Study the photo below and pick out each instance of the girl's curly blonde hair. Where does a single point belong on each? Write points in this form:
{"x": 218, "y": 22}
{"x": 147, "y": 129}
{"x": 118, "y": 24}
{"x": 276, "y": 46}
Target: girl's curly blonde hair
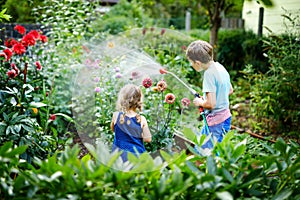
{"x": 129, "y": 98}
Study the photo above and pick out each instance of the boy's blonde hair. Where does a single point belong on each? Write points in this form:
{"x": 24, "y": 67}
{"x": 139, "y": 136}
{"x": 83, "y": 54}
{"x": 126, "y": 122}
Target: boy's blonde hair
{"x": 200, "y": 50}
{"x": 129, "y": 98}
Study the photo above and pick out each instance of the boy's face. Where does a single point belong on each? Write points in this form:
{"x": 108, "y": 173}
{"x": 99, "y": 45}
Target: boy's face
{"x": 196, "y": 65}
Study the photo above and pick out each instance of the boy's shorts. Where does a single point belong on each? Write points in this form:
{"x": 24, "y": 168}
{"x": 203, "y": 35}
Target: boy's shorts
{"x": 217, "y": 132}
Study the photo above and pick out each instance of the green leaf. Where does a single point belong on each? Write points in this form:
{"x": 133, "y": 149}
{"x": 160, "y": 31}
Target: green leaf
{"x": 17, "y": 151}
{"x": 6, "y": 146}
{"x": 224, "y": 195}
{"x": 37, "y": 104}
{"x": 285, "y": 194}
{"x": 239, "y": 149}
{"x": 211, "y": 166}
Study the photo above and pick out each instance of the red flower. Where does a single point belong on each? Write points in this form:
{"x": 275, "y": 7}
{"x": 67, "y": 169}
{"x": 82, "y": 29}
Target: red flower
{"x": 135, "y": 75}
{"x": 10, "y": 42}
{"x": 19, "y": 48}
{"x": 43, "y": 38}
{"x": 162, "y": 31}
{"x": 8, "y": 53}
{"x": 38, "y": 65}
{"x": 183, "y": 47}
{"x": 170, "y": 98}
{"x": 163, "y": 71}
{"x": 185, "y": 102}
{"x": 52, "y": 117}
{"x": 34, "y": 33}
{"x": 20, "y": 29}
{"x": 161, "y": 85}
{"x": 28, "y": 40}
{"x": 11, "y": 73}
{"x": 147, "y": 82}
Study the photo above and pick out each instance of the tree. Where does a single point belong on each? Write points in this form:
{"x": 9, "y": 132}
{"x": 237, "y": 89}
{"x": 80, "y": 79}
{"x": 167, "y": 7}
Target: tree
{"x": 214, "y": 9}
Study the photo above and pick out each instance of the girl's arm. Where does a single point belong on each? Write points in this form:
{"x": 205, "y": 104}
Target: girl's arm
{"x": 113, "y": 121}
{"x": 147, "y": 137}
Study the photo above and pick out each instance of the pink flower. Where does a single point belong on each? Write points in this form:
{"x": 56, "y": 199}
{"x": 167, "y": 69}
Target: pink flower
{"x": 185, "y": 102}
{"x": 38, "y": 65}
{"x": 170, "y": 98}
{"x": 14, "y": 67}
{"x": 147, "y": 82}
{"x": 96, "y": 79}
{"x": 163, "y": 71}
{"x": 183, "y": 47}
{"x": 118, "y": 75}
{"x": 20, "y": 29}
{"x": 52, "y": 117}
{"x": 135, "y": 75}
{"x": 11, "y": 73}
{"x": 117, "y": 69}
{"x": 97, "y": 89}
{"x": 161, "y": 85}
{"x": 162, "y": 31}
{"x": 2, "y": 54}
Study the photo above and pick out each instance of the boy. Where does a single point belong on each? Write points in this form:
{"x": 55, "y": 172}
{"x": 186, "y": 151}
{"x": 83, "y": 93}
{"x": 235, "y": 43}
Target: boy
{"x": 216, "y": 90}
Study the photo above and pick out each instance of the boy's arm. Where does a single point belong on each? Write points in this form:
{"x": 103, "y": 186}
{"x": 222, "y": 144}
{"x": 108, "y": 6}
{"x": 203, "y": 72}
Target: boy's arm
{"x": 209, "y": 103}
{"x": 231, "y": 89}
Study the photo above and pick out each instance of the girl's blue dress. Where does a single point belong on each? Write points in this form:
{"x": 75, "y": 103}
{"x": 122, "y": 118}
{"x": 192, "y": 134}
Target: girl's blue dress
{"x": 128, "y": 137}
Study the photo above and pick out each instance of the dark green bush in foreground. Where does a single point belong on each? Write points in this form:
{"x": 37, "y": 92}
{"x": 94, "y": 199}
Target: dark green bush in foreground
{"x": 245, "y": 169}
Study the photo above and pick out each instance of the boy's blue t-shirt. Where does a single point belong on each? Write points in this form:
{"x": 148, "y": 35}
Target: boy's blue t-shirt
{"x": 216, "y": 79}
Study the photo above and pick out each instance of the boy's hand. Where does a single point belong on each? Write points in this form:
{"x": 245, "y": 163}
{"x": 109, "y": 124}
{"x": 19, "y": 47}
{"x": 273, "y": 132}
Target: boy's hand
{"x": 198, "y": 101}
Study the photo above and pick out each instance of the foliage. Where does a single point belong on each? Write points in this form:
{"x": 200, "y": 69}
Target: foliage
{"x": 121, "y": 17}
{"x": 21, "y": 11}
{"x": 27, "y": 114}
{"x": 275, "y": 94}
{"x": 246, "y": 169}
{"x": 249, "y": 48}
{"x": 4, "y": 16}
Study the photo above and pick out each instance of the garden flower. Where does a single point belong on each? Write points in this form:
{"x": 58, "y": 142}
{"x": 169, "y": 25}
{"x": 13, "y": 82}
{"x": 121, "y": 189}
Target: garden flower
{"x": 11, "y": 73}
{"x": 162, "y": 31}
{"x": 35, "y": 34}
{"x": 118, "y": 75}
{"x": 183, "y": 47}
{"x": 154, "y": 89}
{"x": 28, "y": 40}
{"x": 144, "y": 31}
{"x": 52, "y": 117}
{"x": 97, "y": 89}
{"x": 20, "y": 29}
{"x": 9, "y": 43}
{"x": 19, "y": 49}
{"x": 111, "y": 45}
{"x": 43, "y": 38}
{"x": 163, "y": 71}
{"x": 135, "y": 75}
{"x": 14, "y": 67}
{"x": 38, "y": 65}
{"x": 170, "y": 98}
{"x": 97, "y": 79}
{"x": 8, "y": 53}
{"x": 35, "y": 110}
{"x": 117, "y": 69}
{"x": 161, "y": 85}
{"x": 185, "y": 102}
{"x": 152, "y": 29}
{"x": 147, "y": 82}
{"x": 2, "y": 54}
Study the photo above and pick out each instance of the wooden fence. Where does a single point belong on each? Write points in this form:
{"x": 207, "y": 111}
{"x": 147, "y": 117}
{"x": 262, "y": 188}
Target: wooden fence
{"x": 232, "y": 23}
